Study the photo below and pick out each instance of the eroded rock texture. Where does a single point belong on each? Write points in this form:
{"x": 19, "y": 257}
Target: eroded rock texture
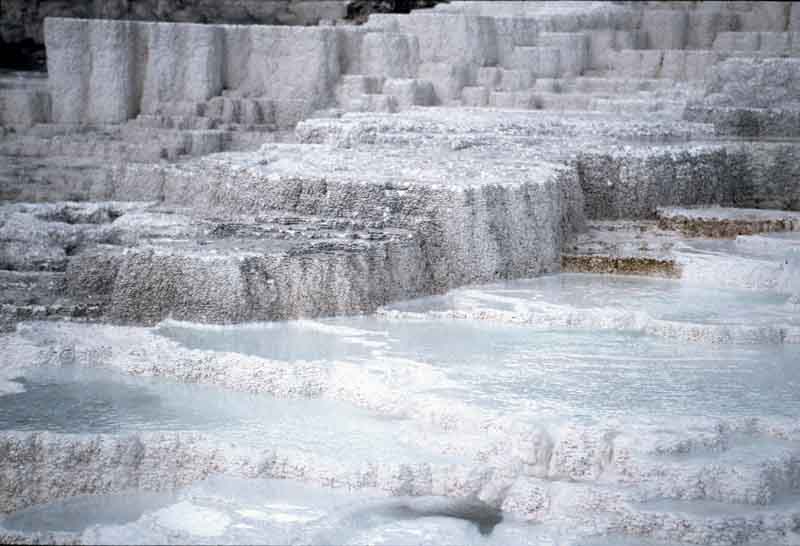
{"x": 398, "y": 199}
{"x": 21, "y": 21}
{"x": 173, "y": 180}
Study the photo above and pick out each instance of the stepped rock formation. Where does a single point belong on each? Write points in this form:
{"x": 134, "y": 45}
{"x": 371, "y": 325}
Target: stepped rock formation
{"x": 129, "y": 102}
{"x": 166, "y": 181}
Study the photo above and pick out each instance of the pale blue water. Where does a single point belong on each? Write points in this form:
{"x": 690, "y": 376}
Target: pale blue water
{"x": 575, "y": 373}
{"x": 81, "y": 400}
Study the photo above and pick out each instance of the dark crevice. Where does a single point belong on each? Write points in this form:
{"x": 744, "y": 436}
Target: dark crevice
{"x": 484, "y": 516}
{"x": 359, "y": 10}
{"x": 24, "y": 56}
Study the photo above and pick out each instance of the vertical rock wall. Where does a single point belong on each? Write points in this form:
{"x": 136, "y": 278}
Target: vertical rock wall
{"x": 110, "y": 71}
{"x": 22, "y": 21}
{"x": 181, "y": 63}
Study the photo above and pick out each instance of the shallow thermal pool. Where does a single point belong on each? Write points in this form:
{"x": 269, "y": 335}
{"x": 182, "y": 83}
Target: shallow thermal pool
{"x": 556, "y": 372}
{"x": 660, "y": 299}
{"x": 235, "y": 511}
{"x": 84, "y": 400}
{"x": 478, "y": 355}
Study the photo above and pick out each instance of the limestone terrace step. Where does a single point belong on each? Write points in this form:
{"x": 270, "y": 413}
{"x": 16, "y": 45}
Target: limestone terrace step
{"x": 479, "y": 124}
{"x": 26, "y": 295}
{"x": 750, "y": 262}
{"x": 151, "y": 263}
{"x": 725, "y": 222}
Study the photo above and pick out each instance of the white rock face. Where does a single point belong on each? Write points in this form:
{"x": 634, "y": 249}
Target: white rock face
{"x": 448, "y": 48}
{"x": 477, "y": 142}
{"x": 141, "y": 66}
{"x": 173, "y": 90}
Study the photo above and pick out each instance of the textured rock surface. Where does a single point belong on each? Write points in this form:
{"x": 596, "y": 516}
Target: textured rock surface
{"x": 620, "y": 178}
{"x": 749, "y": 261}
{"x": 752, "y": 97}
{"x": 597, "y": 56}
{"x": 485, "y": 208}
{"x": 168, "y": 174}
{"x": 121, "y": 69}
{"x": 444, "y": 223}
{"x": 234, "y": 270}
{"x": 22, "y": 33}
{"x": 719, "y": 222}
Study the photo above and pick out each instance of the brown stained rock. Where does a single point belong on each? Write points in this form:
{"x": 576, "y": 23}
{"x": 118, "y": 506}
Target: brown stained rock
{"x": 10, "y": 537}
{"x": 725, "y": 228}
{"x": 620, "y": 266}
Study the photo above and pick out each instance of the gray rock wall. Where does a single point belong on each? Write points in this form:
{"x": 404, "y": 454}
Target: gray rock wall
{"x": 149, "y": 285}
{"x": 751, "y": 97}
{"x": 757, "y": 83}
{"x": 470, "y": 231}
{"x": 769, "y": 175}
{"x": 24, "y": 107}
{"x": 480, "y": 52}
{"x": 110, "y": 71}
{"x": 357, "y": 236}
{"x": 633, "y": 183}
{"x": 22, "y": 21}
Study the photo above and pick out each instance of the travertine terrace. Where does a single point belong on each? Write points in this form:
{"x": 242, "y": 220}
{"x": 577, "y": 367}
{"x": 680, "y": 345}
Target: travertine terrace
{"x": 538, "y": 263}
